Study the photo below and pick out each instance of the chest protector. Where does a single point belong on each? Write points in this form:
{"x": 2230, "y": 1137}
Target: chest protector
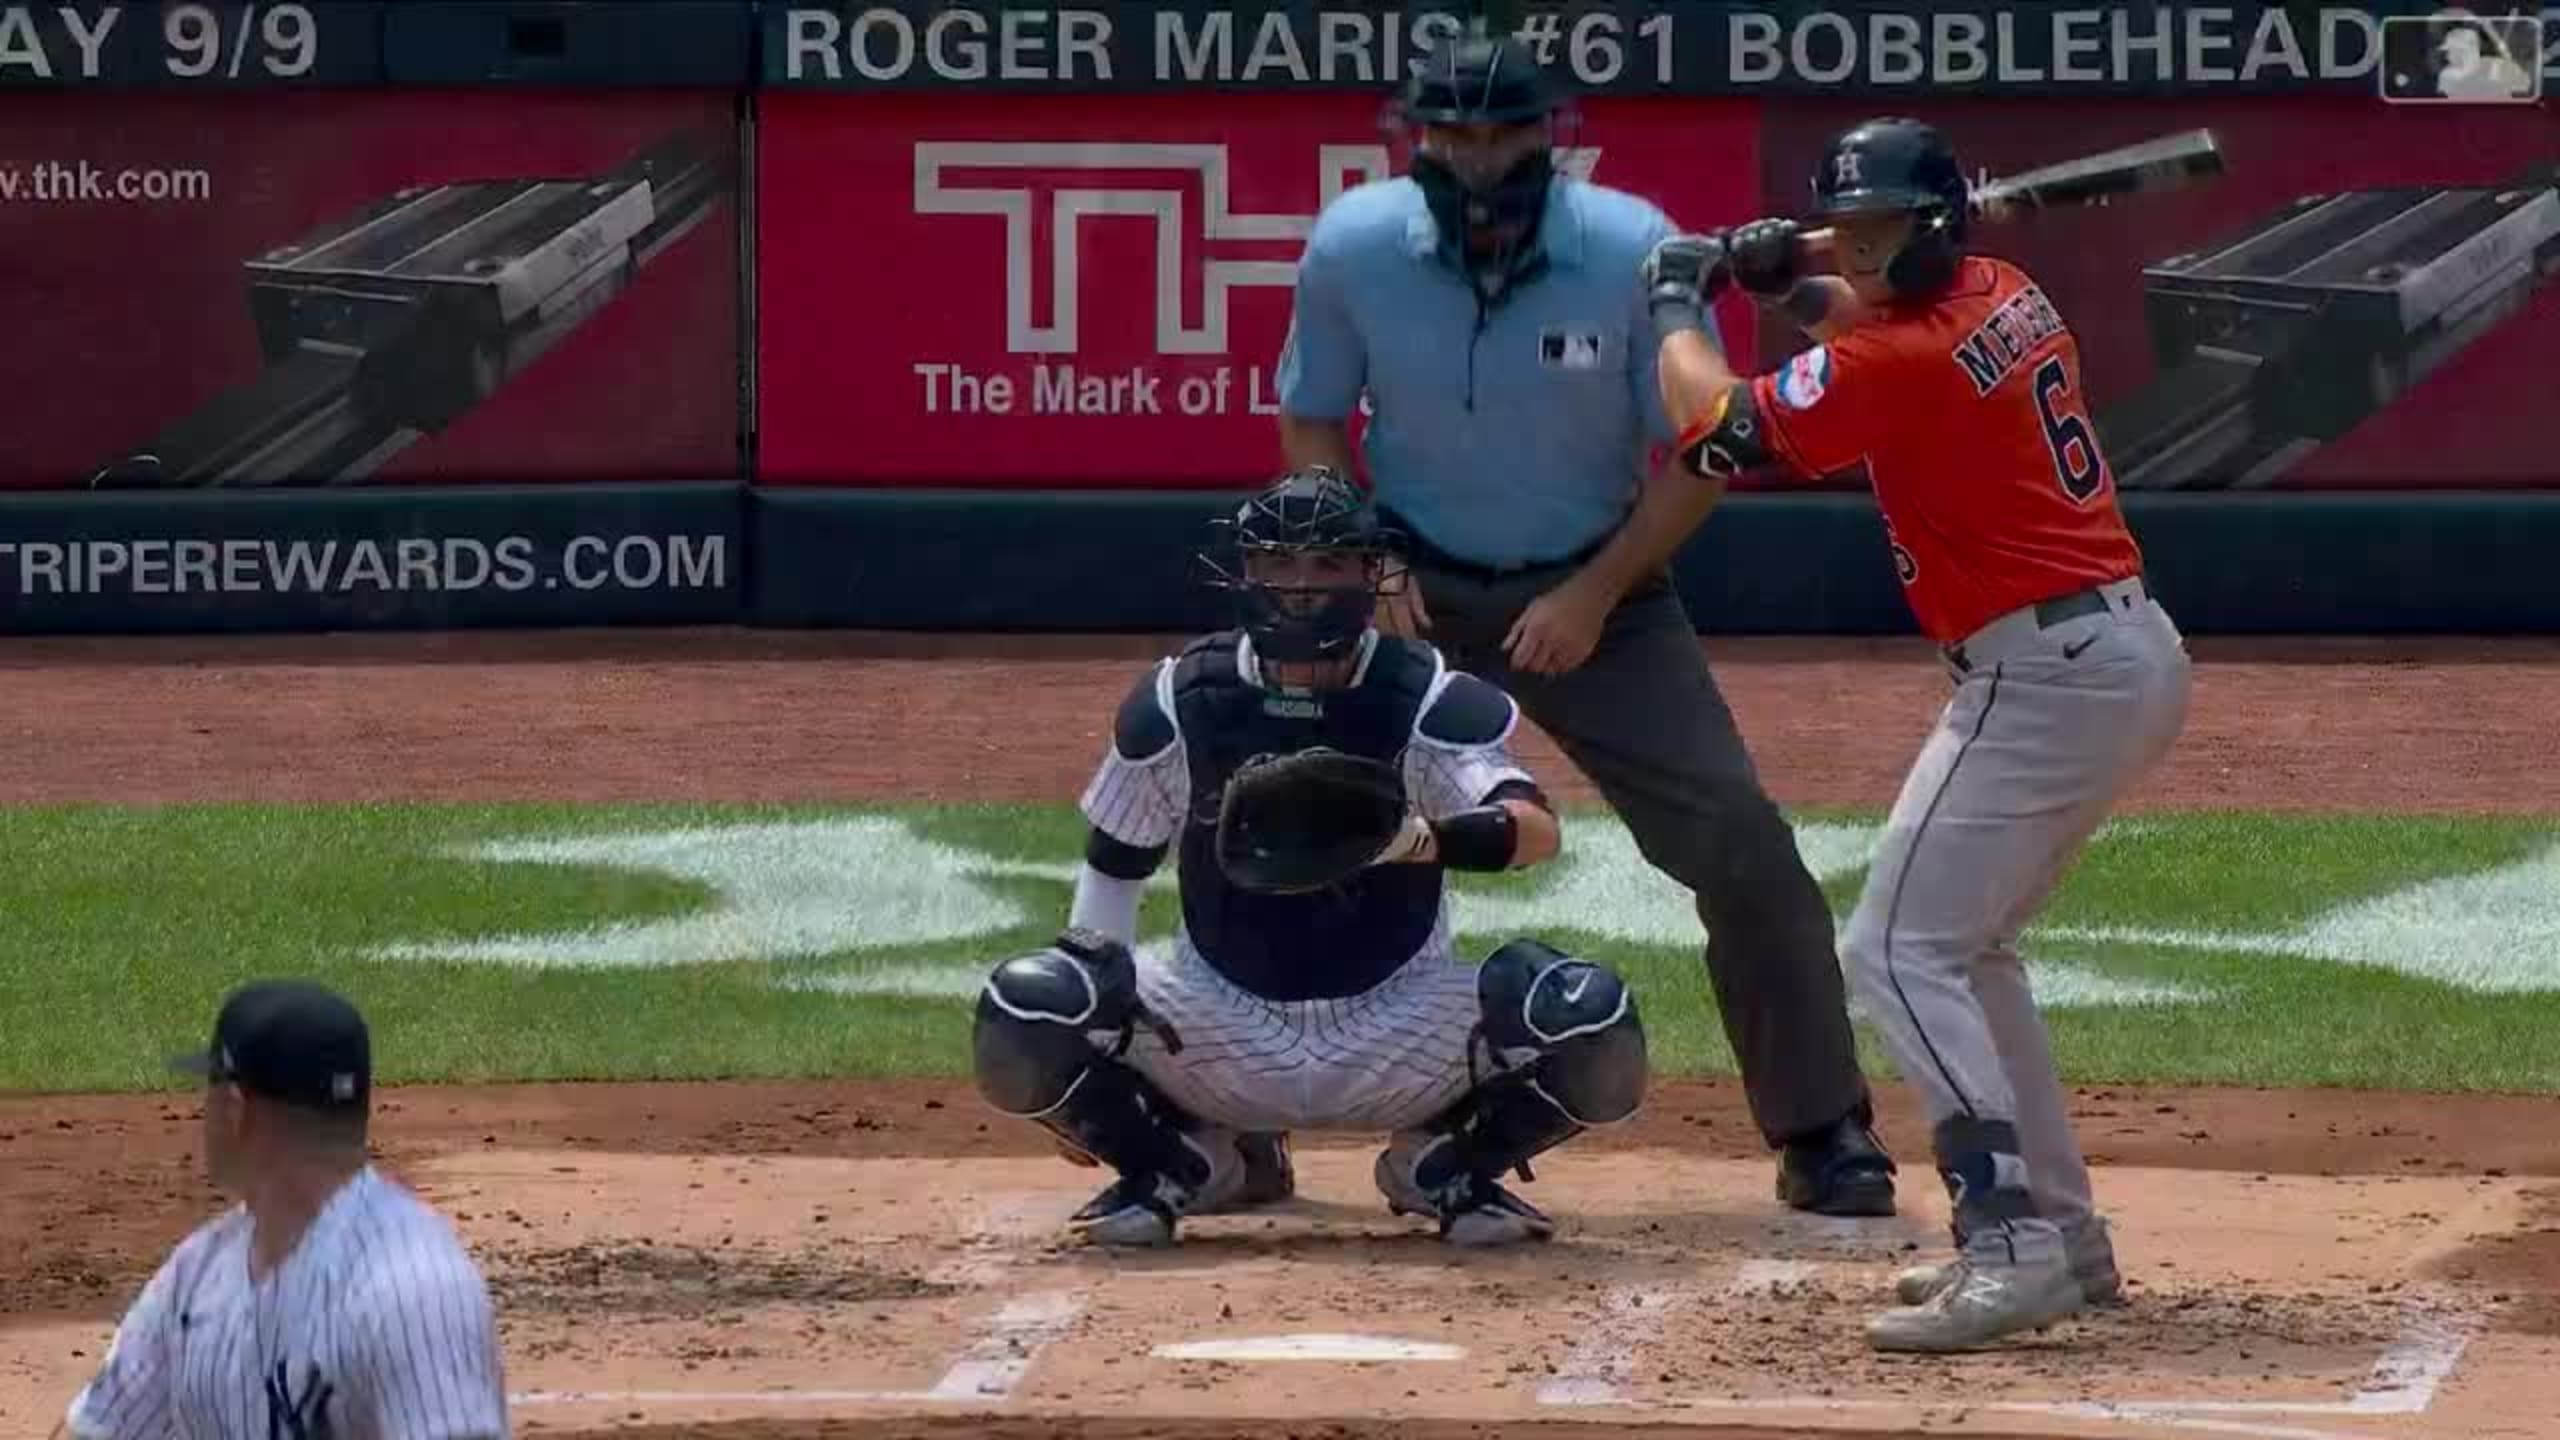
{"x": 1333, "y": 943}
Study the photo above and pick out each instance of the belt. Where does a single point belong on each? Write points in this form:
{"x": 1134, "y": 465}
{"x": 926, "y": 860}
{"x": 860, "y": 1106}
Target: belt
{"x": 2046, "y": 614}
{"x": 1424, "y": 554}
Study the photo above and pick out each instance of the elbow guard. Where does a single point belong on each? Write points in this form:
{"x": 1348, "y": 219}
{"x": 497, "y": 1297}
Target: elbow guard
{"x": 1727, "y": 439}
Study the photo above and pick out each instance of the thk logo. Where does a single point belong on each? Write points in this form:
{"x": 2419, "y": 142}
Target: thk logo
{"x": 1338, "y": 168}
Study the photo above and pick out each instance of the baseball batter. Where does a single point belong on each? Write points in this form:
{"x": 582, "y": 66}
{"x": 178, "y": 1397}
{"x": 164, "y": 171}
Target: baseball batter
{"x": 1337, "y": 1008}
{"x": 330, "y": 1303}
{"x": 1954, "y": 380}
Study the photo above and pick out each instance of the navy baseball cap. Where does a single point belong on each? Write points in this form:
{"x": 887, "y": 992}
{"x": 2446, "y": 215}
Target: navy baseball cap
{"x": 289, "y": 1040}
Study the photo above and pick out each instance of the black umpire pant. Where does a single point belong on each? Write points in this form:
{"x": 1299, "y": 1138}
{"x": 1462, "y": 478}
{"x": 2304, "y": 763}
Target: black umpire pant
{"x": 1643, "y": 719}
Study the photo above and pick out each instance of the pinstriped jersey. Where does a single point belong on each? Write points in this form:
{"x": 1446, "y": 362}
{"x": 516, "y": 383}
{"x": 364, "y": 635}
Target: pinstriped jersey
{"x": 378, "y": 1326}
{"x": 1205, "y": 712}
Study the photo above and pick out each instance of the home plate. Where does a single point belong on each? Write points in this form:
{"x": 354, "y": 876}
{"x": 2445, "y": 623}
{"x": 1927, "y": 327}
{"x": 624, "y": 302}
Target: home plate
{"x": 1355, "y": 1348}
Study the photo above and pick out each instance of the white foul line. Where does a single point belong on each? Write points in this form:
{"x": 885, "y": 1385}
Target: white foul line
{"x": 1759, "y": 1277}
{"x": 1603, "y": 1358}
{"x": 718, "y": 1397}
{"x": 1631, "y": 1316}
{"x": 2403, "y": 1381}
{"x": 992, "y": 1367}
{"x": 2127, "y": 1414}
{"x": 2433, "y": 1335}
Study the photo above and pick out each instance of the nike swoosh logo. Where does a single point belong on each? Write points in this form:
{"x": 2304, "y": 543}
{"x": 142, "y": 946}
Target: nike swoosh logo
{"x": 2072, "y": 652}
{"x": 1573, "y": 992}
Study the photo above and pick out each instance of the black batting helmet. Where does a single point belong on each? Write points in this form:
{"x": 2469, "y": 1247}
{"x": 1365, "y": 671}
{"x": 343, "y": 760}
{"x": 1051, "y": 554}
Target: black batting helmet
{"x": 1307, "y": 510}
{"x": 1898, "y": 165}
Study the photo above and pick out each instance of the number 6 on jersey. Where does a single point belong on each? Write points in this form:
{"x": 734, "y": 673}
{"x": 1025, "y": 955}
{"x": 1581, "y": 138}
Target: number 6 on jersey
{"x": 2083, "y": 471}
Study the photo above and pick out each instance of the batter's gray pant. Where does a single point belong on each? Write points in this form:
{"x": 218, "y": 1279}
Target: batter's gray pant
{"x": 1643, "y": 719}
{"x": 2046, "y": 731}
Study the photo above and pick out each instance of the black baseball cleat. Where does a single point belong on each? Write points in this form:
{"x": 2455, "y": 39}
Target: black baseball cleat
{"x": 1840, "y": 1171}
{"x": 1135, "y": 1211}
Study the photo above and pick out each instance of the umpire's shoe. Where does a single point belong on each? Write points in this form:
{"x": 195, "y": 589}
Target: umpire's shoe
{"x": 1842, "y": 1170}
{"x": 1141, "y": 1210}
{"x": 1419, "y": 1175}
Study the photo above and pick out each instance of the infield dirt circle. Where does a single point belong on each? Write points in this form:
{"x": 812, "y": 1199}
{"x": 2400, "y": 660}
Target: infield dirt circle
{"x": 869, "y": 1259}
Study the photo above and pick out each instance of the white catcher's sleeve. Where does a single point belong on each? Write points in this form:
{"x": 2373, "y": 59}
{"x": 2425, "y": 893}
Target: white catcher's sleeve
{"x": 1461, "y": 750}
{"x": 1140, "y": 792}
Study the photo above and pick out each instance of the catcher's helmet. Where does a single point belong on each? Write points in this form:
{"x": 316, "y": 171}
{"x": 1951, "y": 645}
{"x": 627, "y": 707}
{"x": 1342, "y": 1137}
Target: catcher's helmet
{"x": 1891, "y": 165}
{"x": 1490, "y": 210}
{"x": 1296, "y": 606}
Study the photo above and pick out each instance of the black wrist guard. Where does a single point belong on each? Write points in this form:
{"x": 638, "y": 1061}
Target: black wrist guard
{"x": 1484, "y": 838}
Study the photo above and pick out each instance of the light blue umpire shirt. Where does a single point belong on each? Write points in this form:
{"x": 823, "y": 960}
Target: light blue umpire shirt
{"x": 1508, "y": 435}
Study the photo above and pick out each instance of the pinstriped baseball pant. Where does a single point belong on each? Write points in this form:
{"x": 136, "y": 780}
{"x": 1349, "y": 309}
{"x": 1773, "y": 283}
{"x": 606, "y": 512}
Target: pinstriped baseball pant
{"x": 1385, "y": 1060}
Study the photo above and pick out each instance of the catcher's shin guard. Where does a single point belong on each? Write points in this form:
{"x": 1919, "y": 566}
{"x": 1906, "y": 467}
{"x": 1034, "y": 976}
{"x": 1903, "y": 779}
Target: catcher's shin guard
{"x": 1048, "y": 1027}
{"x": 1572, "y": 1048}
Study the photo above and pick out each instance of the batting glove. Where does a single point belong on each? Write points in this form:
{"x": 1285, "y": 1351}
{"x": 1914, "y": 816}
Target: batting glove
{"x": 1767, "y": 257}
{"x": 1683, "y": 274}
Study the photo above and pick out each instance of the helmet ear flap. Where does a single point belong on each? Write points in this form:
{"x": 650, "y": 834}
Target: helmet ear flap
{"x": 1926, "y": 262}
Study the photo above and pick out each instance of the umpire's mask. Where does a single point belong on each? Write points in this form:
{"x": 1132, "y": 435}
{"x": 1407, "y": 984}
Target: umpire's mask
{"x": 1482, "y": 126}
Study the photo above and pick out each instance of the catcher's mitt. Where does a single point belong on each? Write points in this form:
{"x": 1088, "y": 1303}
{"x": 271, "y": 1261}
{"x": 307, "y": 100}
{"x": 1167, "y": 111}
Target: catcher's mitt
{"x": 1303, "y": 821}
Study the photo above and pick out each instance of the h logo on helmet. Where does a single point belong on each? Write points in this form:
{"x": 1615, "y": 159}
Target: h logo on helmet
{"x": 1844, "y": 169}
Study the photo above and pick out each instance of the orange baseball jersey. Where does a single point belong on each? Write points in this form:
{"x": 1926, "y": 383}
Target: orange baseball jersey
{"x": 1970, "y": 416}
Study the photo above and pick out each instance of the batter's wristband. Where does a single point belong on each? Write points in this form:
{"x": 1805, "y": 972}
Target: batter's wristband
{"x": 1484, "y": 838}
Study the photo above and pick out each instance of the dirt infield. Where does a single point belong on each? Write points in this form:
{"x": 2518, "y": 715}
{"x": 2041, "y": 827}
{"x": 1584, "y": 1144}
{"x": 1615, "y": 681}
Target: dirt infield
{"x": 795, "y": 1261}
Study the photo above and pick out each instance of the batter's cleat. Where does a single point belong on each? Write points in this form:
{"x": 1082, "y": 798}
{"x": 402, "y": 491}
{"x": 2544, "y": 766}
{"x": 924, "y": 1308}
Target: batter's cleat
{"x": 1417, "y": 1176}
{"x": 1988, "y": 1300}
{"x": 2090, "y": 1251}
{"x": 1142, "y": 1211}
{"x": 1843, "y": 1170}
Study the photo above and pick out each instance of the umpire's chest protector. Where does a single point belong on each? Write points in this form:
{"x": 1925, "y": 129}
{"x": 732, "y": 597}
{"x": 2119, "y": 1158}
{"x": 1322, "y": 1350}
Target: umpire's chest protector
{"x": 1336, "y": 942}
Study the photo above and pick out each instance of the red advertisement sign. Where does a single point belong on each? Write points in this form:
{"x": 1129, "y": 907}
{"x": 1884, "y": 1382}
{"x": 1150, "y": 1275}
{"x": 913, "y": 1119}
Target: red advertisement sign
{"x": 2368, "y": 297}
{"x": 368, "y": 287}
{"x": 1057, "y": 291}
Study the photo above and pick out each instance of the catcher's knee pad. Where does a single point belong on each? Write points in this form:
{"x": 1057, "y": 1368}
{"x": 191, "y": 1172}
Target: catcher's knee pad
{"x": 1578, "y": 1019}
{"x": 1048, "y": 1026}
{"x": 1044, "y": 1018}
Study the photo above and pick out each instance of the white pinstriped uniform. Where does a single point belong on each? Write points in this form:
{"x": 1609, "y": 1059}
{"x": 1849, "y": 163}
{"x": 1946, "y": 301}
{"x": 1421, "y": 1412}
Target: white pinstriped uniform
{"x": 377, "y": 1326}
{"x": 1384, "y": 1060}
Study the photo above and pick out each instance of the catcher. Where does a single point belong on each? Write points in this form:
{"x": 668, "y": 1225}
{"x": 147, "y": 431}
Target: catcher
{"x": 1318, "y": 778}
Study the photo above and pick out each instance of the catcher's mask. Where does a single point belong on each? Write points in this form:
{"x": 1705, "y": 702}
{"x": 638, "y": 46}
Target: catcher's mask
{"x": 1306, "y": 560}
{"x": 1480, "y": 128}
{"x": 1874, "y": 175}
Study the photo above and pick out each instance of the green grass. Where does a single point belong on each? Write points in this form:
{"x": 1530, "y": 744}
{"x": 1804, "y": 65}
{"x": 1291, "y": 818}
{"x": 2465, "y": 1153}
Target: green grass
{"x": 129, "y": 924}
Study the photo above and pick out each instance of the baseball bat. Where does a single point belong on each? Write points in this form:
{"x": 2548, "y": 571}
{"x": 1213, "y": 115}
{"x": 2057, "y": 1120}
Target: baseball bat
{"x": 2171, "y": 162}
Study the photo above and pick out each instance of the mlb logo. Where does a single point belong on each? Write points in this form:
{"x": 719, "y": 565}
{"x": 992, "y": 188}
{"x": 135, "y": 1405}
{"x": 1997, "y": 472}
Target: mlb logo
{"x": 1805, "y": 378}
{"x": 1564, "y": 350}
{"x": 2454, "y": 57}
